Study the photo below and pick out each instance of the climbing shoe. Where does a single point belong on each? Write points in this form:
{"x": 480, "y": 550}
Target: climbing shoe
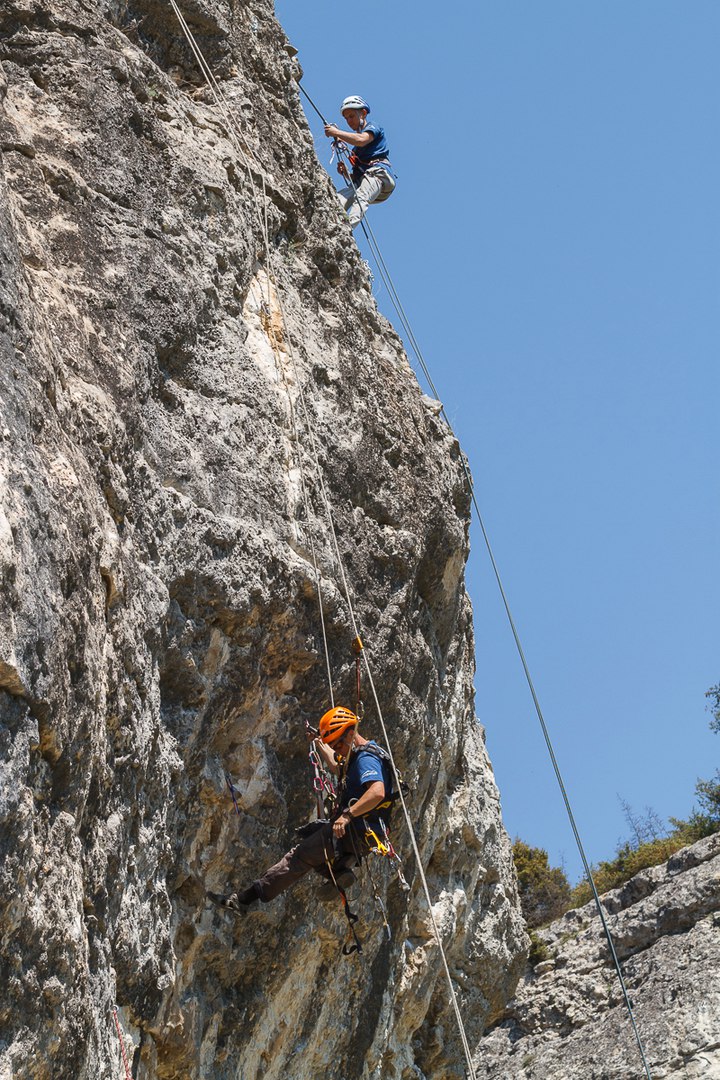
{"x": 237, "y": 902}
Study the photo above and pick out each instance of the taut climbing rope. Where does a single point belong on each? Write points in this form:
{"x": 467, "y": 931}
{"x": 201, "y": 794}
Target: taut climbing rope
{"x": 397, "y": 304}
{"x": 217, "y": 94}
{"x": 261, "y": 210}
{"x": 312, "y": 103}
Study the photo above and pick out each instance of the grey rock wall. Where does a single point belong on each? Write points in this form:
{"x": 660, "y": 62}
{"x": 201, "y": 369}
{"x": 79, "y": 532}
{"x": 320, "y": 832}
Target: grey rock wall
{"x": 159, "y": 620}
{"x": 569, "y": 1019}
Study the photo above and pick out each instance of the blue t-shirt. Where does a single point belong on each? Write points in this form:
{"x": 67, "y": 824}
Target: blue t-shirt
{"x": 364, "y": 769}
{"x": 378, "y": 148}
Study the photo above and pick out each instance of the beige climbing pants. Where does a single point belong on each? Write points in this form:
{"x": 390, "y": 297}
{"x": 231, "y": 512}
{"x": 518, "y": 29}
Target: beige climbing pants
{"x": 377, "y": 185}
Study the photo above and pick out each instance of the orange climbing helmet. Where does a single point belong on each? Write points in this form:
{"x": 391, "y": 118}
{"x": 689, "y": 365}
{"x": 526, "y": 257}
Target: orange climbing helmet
{"x": 335, "y": 723}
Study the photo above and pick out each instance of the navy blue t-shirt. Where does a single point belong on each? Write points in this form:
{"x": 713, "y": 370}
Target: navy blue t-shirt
{"x": 364, "y": 769}
{"x": 378, "y": 148}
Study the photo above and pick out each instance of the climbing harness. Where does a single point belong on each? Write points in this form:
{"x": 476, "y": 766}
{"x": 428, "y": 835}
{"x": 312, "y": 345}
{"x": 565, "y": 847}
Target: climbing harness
{"x": 330, "y": 866}
{"x": 365, "y": 166}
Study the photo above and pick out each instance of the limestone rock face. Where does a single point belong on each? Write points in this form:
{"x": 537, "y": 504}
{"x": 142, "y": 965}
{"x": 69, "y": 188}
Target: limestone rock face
{"x": 181, "y": 400}
{"x": 569, "y": 1019}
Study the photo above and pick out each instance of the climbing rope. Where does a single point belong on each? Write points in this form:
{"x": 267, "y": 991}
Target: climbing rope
{"x": 408, "y": 329}
{"x": 397, "y": 304}
{"x": 122, "y": 1044}
{"x": 418, "y": 862}
{"x": 262, "y": 216}
{"x": 261, "y": 207}
{"x": 233, "y": 793}
{"x": 312, "y": 103}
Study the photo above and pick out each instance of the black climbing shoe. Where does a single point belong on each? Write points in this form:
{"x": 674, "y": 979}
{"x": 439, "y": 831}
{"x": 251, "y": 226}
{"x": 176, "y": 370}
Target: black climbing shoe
{"x": 328, "y": 890}
{"x": 230, "y": 901}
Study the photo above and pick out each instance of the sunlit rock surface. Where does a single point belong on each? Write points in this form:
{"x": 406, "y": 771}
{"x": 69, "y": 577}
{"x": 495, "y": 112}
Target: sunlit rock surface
{"x": 161, "y": 425}
{"x": 569, "y": 1019}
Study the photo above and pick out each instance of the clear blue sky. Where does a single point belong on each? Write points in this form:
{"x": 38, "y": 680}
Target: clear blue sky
{"x": 555, "y": 239}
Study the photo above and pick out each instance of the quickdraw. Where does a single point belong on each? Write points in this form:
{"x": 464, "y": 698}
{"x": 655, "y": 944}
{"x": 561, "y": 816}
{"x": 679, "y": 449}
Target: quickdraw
{"x": 359, "y": 707}
{"x": 233, "y": 793}
{"x": 394, "y": 858}
{"x": 337, "y": 151}
{"x": 380, "y": 848}
{"x": 385, "y": 849}
{"x": 379, "y": 905}
{"x": 323, "y": 786}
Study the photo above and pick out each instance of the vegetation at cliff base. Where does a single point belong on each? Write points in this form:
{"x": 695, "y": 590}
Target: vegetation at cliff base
{"x": 544, "y": 889}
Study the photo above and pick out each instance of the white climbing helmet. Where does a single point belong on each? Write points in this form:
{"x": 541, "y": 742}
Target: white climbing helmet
{"x": 354, "y": 102}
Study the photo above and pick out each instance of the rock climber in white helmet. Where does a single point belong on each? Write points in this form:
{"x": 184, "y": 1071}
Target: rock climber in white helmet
{"x": 372, "y": 179}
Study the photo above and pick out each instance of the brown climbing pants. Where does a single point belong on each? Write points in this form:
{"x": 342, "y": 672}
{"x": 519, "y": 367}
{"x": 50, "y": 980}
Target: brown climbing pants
{"x": 314, "y": 852}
